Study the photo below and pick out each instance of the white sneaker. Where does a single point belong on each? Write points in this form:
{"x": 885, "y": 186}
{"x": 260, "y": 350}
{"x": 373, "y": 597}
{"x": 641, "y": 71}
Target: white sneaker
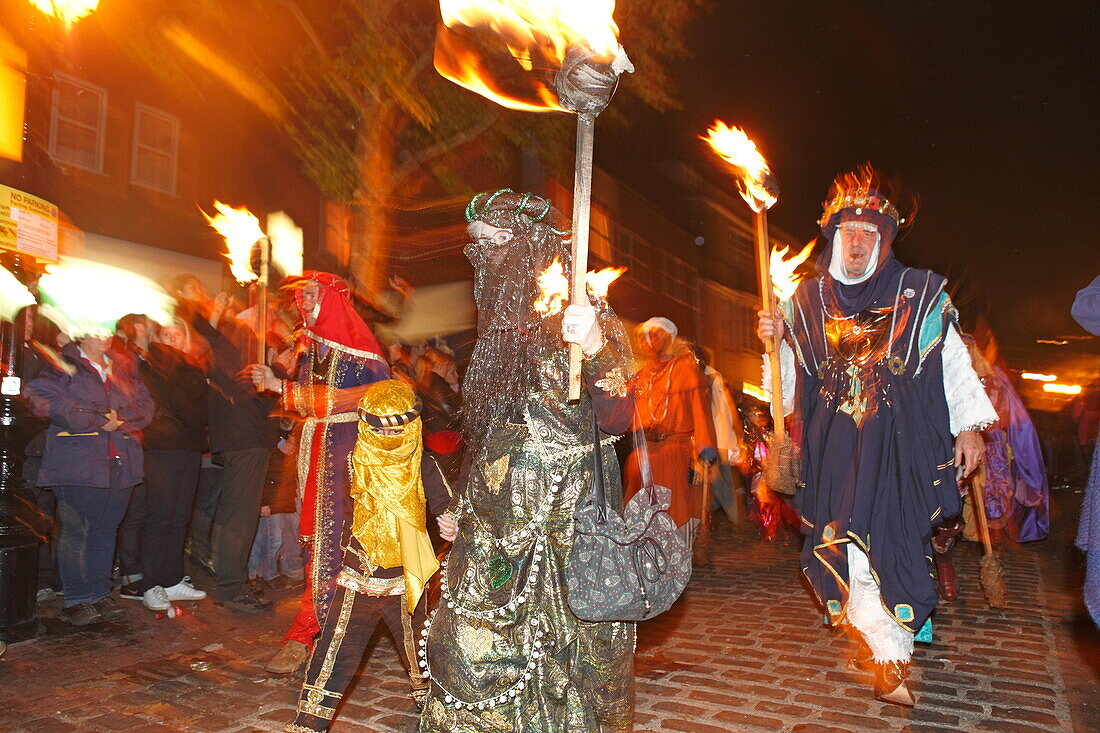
{"x": 184, "y": 591}
{"x": 155, "y": 599}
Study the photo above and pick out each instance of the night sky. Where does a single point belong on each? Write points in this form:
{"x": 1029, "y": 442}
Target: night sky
{"x": 983, "y": 109}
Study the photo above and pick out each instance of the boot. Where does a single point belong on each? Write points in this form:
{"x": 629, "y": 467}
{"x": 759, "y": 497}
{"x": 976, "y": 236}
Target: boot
{"x": 946, "y": 577}
{"x": 890, "y": 683}
{"x": 290, "y": 657}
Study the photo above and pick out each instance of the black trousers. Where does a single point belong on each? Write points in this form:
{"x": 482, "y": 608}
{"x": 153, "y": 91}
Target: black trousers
{"x": 236, "y": 518}
{"x": 202, "y": 517}
{"x": 352, "y": 620}
{"x": 171, "y": 479}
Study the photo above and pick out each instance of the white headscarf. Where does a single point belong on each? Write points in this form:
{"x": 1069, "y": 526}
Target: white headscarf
{"x": 662, "y": 323}
{"x": 836, "y": 265}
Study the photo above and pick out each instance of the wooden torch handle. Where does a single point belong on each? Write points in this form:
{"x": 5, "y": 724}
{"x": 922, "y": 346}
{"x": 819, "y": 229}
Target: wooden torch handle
{"x": 582, "y": 209}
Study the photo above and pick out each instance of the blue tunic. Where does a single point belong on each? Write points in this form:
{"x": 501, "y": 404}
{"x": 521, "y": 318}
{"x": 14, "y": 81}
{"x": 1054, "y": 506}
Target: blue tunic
{"x": 877, "y": 456}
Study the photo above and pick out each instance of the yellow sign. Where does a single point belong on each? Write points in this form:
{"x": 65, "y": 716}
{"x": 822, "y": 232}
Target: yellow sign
{"x": 13, "y": 90}
{"x": 28, "y": 224}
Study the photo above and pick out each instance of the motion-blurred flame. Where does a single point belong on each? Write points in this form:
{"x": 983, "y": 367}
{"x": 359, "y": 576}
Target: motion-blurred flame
{"x": 241, "y": 229}
{"x": 87, "y": 298}
{"x": 553, "y": 289}
{"x": 1062, "y": 388}
{"x": 286, "y": 243}
{"x": 13, "y": 295}
{"x": 784, "y": 278}
{"x": 599, "y": 281}
{"x": 537, "y": 33}
{"x": 735, "y": 147}
{"x": 67, "y": 11}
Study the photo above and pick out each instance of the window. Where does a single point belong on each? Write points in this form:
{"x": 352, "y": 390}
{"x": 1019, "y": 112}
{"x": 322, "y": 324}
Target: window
{"x": 156, "y": 143}
{"x": 78, "y": 123}
{"x": 599, "y": 238}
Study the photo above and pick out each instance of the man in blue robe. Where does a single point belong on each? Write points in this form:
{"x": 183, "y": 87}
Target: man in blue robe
{"x": 884, "y": 382}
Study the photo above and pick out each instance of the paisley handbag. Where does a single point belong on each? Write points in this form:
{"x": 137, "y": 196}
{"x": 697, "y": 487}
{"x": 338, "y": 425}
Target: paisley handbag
{"x": 628, "y": 567}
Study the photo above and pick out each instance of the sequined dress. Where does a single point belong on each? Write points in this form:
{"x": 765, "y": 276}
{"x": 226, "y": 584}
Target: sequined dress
{"x": 503, "y": 650}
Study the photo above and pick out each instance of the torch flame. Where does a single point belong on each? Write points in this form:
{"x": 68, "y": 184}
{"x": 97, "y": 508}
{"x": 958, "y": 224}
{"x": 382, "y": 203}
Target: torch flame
{"x": 784, "y": 278}
{"x": 537, "y": 34}
{"x": 735, "y": 147}
{"x": 241, "y": 230}
{"x": 553, "y": 289}
{"x": 599, "y": 281}
{"x": 67, "y": 11}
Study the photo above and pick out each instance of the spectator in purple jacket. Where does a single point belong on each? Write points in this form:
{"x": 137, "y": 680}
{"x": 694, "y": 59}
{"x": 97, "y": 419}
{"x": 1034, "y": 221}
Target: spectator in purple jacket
{"x": 97, "y": 406}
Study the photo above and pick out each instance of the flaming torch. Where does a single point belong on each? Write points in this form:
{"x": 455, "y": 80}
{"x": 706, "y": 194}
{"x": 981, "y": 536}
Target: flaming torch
{"x": 577, "y": 40}
{"x": 241, "y": 230}
{"x": 760, "y": 190}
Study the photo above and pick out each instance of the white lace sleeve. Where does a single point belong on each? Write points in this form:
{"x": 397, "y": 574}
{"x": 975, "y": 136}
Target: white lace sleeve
{"x": 967, "y": 402}
{"x": 786, "y": 371}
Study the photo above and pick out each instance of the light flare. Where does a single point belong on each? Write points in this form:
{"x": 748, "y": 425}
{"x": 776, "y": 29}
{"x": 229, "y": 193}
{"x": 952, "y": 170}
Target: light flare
{"x": 784, "y": 278}
{"x": 1039, "y": 377}
{"x": 553, "y": 289}
{"x": 537, "y": 35}
{"x": 67, "y": 11}
{"x": 735, "y": 147}
{"x": 13, "y": 295}
{"x": 241, "y": 230}
{"x": 1055, "y": 388}
{"x": 87, "y": 298}
{"x": 599, "y": 281}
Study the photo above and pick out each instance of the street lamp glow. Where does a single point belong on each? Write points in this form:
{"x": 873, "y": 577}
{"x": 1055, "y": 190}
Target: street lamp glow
{"x": 1062, "y": 388}
{"x": 1039, "y": 377}
{"x": 67, "y": 11}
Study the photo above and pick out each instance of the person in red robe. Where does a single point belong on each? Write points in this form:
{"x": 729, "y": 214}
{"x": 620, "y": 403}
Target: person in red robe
{"x": 338, "y": 358}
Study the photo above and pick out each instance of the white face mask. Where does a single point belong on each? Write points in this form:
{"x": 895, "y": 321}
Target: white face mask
{"x": 836, "y": 265}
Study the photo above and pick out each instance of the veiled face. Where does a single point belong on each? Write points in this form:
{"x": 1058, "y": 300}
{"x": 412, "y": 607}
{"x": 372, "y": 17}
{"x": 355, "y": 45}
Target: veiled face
{"x": 856, "y": 247}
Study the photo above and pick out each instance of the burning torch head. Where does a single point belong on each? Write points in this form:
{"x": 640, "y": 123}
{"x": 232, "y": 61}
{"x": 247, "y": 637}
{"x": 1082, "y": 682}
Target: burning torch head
{"x": 586, "y": 81}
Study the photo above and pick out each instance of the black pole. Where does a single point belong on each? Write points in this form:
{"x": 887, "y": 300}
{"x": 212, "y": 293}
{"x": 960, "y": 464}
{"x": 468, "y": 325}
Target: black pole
{"x": 18, "y": 545}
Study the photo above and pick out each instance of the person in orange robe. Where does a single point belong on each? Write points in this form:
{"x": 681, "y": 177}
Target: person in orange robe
{"x": 673, "y": 400}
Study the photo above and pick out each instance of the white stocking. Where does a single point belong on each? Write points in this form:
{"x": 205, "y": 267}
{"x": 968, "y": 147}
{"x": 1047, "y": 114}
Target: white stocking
{"x": 888, "y": 640}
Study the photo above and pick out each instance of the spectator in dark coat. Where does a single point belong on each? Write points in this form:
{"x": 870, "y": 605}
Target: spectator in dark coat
{"x": 92, "y": 459}
{"x": 240, "y": 431}
{"x": 174, "y": 442}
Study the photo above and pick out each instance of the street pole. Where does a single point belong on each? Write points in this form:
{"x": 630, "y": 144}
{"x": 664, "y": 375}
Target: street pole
{"x": 18, "y": 545}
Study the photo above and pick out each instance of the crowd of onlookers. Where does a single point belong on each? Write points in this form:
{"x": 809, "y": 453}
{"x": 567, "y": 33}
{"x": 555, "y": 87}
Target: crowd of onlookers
{"x": 148, "y": 443}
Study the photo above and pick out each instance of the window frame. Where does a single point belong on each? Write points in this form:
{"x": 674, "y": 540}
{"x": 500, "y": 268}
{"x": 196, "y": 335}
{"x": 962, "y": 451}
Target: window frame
{"x": 144, "y": 109}
{"x": 101, "y": 123}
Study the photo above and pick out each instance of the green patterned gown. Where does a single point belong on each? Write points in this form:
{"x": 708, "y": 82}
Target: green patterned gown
{"x": 503, "y": 650}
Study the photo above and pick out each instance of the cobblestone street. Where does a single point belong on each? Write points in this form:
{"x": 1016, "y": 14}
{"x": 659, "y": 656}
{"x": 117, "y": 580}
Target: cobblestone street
{"x": 741, "y": 651}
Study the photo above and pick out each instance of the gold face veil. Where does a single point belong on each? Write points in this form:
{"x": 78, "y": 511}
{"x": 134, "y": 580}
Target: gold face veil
{"x": 389, "y": 516}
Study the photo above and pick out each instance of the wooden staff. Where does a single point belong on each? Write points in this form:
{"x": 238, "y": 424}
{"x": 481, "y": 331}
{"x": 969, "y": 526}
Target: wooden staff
{"x": 584, "y": 85}
{"x": 767, "y": 302}
{"x": 582, "y": 214}
{"x": 261, "y": 303}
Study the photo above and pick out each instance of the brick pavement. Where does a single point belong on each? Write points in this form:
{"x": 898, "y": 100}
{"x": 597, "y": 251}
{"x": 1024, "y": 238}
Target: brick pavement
{"x": 742, "y": 651}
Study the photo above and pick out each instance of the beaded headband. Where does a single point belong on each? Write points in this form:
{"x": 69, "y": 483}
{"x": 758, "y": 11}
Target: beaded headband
{"x": 391, "y": 421}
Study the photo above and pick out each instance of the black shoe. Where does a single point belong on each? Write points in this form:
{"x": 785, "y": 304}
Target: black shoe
{"x": 246, "y": 602}
{"x": 109, "y": 609}
{"x": 82, "y": 614}
{"x": 131, "y": 591}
